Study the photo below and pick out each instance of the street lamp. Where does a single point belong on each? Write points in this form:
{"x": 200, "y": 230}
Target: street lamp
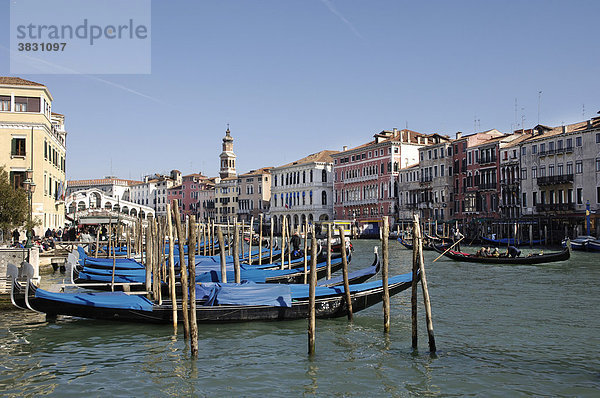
{"x": 29, "y": 186}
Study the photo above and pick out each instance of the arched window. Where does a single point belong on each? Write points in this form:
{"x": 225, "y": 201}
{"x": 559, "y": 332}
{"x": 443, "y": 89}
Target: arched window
{"x": 324, "y": 175}
{"x": 324, "y": 198}
{"x": 304, "y": 177}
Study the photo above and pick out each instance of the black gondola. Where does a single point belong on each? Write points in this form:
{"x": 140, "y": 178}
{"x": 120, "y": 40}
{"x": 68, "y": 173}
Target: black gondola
{"x": 330, "y": 303}
{"x": 503, "y": 259}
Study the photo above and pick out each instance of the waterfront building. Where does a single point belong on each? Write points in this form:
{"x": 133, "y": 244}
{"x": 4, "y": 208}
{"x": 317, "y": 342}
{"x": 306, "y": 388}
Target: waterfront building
{"x": 226, "y": 185}
{"x": 409, "y": 191}
{"x": 475, "y": 178}
{"x": 303, "y": 190}
{"x": 510, "y": 178}
{"x": 153, "y": 190}
{"x": 188, "y": 193}
{"x": 366, "y": 177}
{"x": 560, "y": 174}
{"x": 255, "y": 194}
{"x": 435, "y": 163}
{"x": 35, "y": 152}
{"x": 206, "y": 201}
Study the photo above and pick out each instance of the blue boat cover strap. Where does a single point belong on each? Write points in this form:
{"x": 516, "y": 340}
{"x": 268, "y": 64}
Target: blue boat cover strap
{"x": 245, "y": 293}
{"x": 118, "y": 300}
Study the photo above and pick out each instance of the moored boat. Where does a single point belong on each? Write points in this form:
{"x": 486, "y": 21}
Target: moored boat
{"x": 541, "y": 258}
{"x": 216, "y": 302}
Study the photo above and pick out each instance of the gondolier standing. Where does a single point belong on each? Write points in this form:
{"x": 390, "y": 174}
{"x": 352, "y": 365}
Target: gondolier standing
{"x": 456, "y": 239}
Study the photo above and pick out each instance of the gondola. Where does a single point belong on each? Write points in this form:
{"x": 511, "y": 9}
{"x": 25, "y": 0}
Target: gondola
{"x": 510, "y": 241}
{"x": 528, "y": 260}
{"x": 583, "y": 243}
{"x": 216, "y": 302}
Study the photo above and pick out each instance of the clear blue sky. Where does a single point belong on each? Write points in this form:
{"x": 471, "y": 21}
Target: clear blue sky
{"x": 296, "y": 77}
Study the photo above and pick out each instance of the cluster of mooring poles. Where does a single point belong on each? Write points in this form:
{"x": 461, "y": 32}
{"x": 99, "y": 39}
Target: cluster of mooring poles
{"x": 418, "y": 273}
{"x": 150, "y": 241}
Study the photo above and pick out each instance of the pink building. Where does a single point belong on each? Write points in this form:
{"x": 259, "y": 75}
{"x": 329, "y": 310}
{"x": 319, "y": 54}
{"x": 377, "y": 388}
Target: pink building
{"x": 189, "y": 192}
{"x": 366, "y": 177}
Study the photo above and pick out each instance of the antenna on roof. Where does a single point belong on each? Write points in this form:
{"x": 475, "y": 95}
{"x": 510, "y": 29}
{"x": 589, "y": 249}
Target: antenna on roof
{"x": 516, "y": 107}
{"x": 539, "y": 104}
{"x": 407, "y": 124}
{"x": 583, "y": 110}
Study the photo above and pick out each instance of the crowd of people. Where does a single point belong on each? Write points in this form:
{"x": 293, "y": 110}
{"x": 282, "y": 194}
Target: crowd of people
{"x": 53, "y": 235}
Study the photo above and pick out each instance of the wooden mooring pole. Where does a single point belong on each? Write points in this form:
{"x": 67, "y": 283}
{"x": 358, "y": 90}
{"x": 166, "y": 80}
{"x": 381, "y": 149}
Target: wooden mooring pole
{"x": 192, "y": 267}
{"x": 427, "y": 302}
{"x": 172, "y": 292}
{"x": 283, "y": 243}
{"x": 182, "y": 270}
{"x": 344, "y": 272}
{"x": 305, "y": 251}
{"x": 329, "y": 233}
{"x": 271, "y": 243}
{"x": 236, "y": 253}
{"x": 311, "y": 295}
{"x": 260, "y": 237}
{"x": 222, "y": 255}
{"x": 384, "y": 275}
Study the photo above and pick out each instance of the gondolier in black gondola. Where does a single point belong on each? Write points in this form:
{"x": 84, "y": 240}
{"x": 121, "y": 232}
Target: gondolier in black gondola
{"x": 456, "y": 239}
{"x": 513, "y": 252}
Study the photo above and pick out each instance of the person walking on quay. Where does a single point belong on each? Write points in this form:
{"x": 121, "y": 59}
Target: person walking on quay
{"x": 16, "y": 237}
{"x": 296, "y": 244}
{"x": 59, "y": 234}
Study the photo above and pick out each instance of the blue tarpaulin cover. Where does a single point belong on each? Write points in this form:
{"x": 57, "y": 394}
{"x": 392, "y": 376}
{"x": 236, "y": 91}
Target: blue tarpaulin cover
{"x": 339, "y": 279}
{"x": 108, "y": 278}
{"x": 301, "y": 291}
{"x": 245, "y": 293}
{"x": 101, "y": 299}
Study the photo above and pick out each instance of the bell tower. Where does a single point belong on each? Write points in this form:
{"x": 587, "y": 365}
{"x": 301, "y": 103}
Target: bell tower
{"x": 227, "y": 157}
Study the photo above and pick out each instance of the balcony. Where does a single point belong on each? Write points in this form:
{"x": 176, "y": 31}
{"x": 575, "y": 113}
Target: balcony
{"x": 541, "y": 207}
{"x": 553, "y": 180}
{"x": 425, "y": 181}
{"x": 487, "y": 160}
{"x": 542, "y": 153}
{"x": 488, "y": 185}
{"x": 569, "y": 149}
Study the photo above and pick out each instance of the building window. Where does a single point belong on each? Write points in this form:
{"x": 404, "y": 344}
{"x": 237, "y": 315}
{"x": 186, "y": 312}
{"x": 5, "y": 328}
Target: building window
{"x": 551, "y": 170}
{"x": 578, "y": 167}
{"x": 579, "y": 196}
{"x": 324, "y": 198}
{"x": 324, "y": 175}
{"x": 20, "y": 107}
{"x": 523, "y": 151}
{"x": 534, "y": 201}
{"x": 17, "y": 178}
{"x": 524, "y": 199}
{"x": 18, "y": 147}
{"x": 597, "y": 138}
{"x": 4, "y": 103}
{"x": 523, "y": 174}
{"x": 597, "y": 164}
{"x": 597, "y": 190}
{"x": 534, "y": 172}
{"x": 578, "y": 141}
{"x": 534, "y": 149}
{"x": 569, "y": 167}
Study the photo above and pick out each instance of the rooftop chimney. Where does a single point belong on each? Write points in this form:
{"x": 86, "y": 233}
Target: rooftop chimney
{"x": 345, "y": 148}
{"x": 408, "y": 136}
{"x": 458, "y": 135}
{"x": 564, "y": 129}
{"x": 395, "y": 131}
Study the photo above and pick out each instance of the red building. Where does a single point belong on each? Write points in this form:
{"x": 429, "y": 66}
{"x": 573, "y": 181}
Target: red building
{"x": 476, "y": 189}
{"x": 189, "y": 192}
{"x": 366, "y": 177}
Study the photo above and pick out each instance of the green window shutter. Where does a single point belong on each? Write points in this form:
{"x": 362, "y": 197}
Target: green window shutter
{"x": 13, "y": 147}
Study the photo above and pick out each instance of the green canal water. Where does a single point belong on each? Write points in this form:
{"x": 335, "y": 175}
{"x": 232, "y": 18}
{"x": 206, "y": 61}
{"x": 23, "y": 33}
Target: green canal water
{"x": 500, "y": 331}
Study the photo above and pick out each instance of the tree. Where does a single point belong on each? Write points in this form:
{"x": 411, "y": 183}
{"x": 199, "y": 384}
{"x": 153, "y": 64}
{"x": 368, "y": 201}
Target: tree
{"x": 14, "y": 206}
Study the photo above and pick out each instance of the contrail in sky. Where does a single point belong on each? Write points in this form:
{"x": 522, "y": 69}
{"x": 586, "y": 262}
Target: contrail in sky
{"x": 329, "y": 5}
{"x": 76, "y": 73}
